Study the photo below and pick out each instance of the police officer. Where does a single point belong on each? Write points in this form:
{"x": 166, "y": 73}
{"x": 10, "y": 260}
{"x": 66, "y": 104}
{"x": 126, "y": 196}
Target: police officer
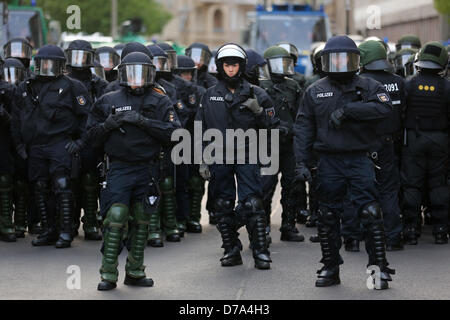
{"x": 374, "y": 65}
{"x": 285, "y": 94}
{"x": 171, "y": 54}
{"x": 119, "y": 48}
{"x": 190, "y": 185}
{"x": 14, "y": 73}
{"x": 109, "y": 59}
{"x": 257, "y": 68}
{"x": 293, "y": 51}
{"x": 201, "y": 55}
{"x": 408, "y": 41}
{"x": 19, "y": 48}
{"x": 167, "y": 210}
{"x": 425, "y": 152}
{"x": 337, "y": 118}
{"x": 318, "y": 73}
{"x": 212, "y": 68}
{"x": 98, "y": 70}
{"x": 401, "y": 59}
{"x": 80, "y": 59}
{"x": 126, "y": 49}
{"x": 51, "y": 112}
{"x": 7, "y": 231}
{"x": 132, "y": 123}
{"x": 235, "y": 104}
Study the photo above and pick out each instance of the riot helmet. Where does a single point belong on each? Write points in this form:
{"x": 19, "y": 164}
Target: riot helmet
{"x": 340, "y": 57}
{"x": 14, "y": 71}
{"x": 186, "y": 68}
{"x": 137, "y": 71}
{"x": 98, "y": 70}
{"x": 373, "y": 56}
{"x": 171, "y": 53}
{"x": 280, "y": 62}
{"x": 50, "y": 61}
{"x": 409, "y": 41}
{"x": 292, "y": 49}
{"x": 200, "y": 53}
{"x": 80, "y": 54}
{"x": 231, "y": 54}
{"x": 433, "y": 55}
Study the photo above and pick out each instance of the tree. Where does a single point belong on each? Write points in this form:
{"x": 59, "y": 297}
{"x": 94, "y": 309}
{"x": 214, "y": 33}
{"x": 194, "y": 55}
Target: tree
{"x": 442, "y": 6}
{"x": 96, "y": 15}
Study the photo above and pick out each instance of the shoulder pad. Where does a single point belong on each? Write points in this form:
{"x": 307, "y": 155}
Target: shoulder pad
{"x": 159, "y": 90}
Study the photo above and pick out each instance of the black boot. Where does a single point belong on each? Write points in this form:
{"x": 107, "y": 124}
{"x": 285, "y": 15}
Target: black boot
{"x": 106, "y": 285}
{"x": 352, "y": 245}
{"x": 141, "y": 282}
{"x": 288, "y": 230}
{"x": 440, "y": 235}
{"x": 230, "y": 243}
{"x": 48, "y": 234}
{"x": 376, "y": 244}
{"x": 65, "y": 209}
{"x": 410, "y": 236}
{"x": 20, "y": 208}
{"x": 302, "y": 216}
{"x": 7, "y": 232}
{"x": 257, "y": 229}
{"x": 328, "y": 277}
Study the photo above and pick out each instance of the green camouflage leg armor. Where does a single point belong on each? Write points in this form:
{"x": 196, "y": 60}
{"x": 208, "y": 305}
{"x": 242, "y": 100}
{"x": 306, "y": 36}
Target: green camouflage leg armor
{"x": 20, "y": 206}
{"x": 138, "y": 237}
{"x": 6, "y": 222}
{"x": 115, "y": 222}
{"x": 90, "y": 188}
{"x": 168, "y": 219}
{"x": 196, "y": 191}
{"x": 154, "y": 227}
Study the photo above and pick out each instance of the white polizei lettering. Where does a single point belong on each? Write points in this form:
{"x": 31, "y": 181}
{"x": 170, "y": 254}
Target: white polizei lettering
{"x": 324, "y": 94}
{"x": 217, "y": 99}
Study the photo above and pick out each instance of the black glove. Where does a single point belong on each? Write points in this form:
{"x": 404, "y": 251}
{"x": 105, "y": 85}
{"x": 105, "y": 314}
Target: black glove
{"x": 22, "y": 151}
{"x": 284, "y": 131}
{"x": 253, "y": 106}
{"x": 302, "y": 172}
{"x": 74, "y": 146}
{"x": 337, "y": 117}
{"x": 114, "y": 121}
{"x": 134, "y": 118}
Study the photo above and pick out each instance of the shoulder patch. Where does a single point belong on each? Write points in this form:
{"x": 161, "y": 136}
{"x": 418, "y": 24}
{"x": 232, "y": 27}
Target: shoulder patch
{"x": 192, "y": 99}
{"x": 171, "y": 116}
{"x": 180, "y": 105}
{"x": 159, "y": 91}
{"x": 270, "y": 112}
{"x": 81, "y": 100}
{"x": 383, "y": 97}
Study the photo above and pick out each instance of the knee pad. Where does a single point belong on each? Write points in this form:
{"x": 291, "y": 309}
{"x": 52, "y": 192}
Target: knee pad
{"x": 61, "y": 184}
{"x": 327, "y": 216}
{"x": 166, "y": 185}
{"x": 254, "y": 205}
{"x": 117, "y": 216}
{"x": 6, "y": 181}
{"x": 41, "y": 186}
{"x": 223, "y": 207}
{"x": 196, "y": 183}
{"x": 371, "y": 212}
{"x": 89, "y": 181}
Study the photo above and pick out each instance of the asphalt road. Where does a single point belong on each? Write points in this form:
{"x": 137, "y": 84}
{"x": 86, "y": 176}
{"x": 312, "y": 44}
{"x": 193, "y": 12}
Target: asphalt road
{"x": 191, "y": 270}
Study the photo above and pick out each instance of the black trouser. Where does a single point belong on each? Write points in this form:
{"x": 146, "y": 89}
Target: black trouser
{"x": 425, "y": 160}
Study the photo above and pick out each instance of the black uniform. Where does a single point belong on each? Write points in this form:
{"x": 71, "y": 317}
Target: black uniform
{"x": 87, "y": 188}
{"x": 343, "y": 161}
{"x": 204, "y": 79}
{"x": 7, "y": 232}
{"x": 48, "y": 114}
{"x": 221, "y": 110}
{"x": 385, "y": 155}
{"x": 425, "y": 154}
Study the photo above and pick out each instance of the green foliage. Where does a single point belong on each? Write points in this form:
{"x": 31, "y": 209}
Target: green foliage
{"x": 96, "y": 15}
{"x": 442, "y": 6}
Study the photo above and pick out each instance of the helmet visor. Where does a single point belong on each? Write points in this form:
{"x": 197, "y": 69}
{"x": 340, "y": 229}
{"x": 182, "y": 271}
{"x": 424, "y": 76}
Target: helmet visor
{"x": 173, "y": 62}
{"x": 200, "y": 56}
{"x": 401, "y": 61}
{"x": 212, "y": 67}
{"x": 406, "y": 46}
{"x": 14, "y": 75}
{"x": 136, "y": 75}
{"x": 263, "y": 72}
{"x": 161, "y": 64}
{"x": 80, "y": 58}
{"x": 283, "y": 66}
{"x": 336, "y": 62}
{"x": 108, "y": 60}
{"x": 19, "y": 49}
{"x": 49, "y": 68}
{"x": 99, "y": 72}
